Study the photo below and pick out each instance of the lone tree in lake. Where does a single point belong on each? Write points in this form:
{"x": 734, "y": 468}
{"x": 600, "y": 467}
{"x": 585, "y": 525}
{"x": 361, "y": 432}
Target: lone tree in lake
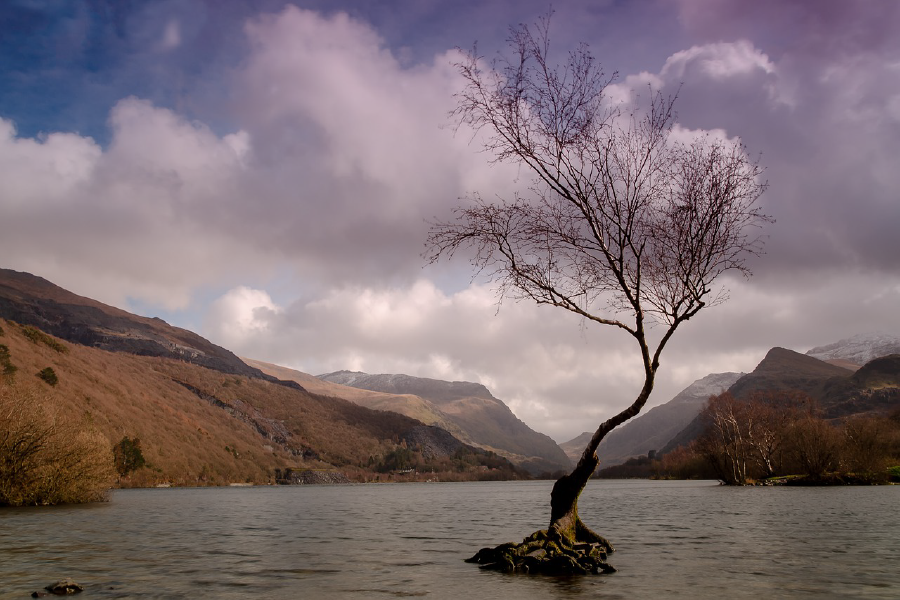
{"x": 624, "y": 224}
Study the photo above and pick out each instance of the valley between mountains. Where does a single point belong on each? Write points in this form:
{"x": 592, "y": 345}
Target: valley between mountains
{"x": 204, "y": 416}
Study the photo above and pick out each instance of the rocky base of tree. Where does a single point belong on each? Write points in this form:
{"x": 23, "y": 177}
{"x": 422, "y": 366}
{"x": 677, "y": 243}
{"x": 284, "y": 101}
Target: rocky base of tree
{"x": 547, "y": 554}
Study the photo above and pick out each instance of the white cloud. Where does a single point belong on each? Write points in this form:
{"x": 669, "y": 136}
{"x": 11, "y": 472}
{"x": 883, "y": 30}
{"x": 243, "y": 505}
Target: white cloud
{"x": 43, "y": 171}
{"x": 719, "y": 61}
{"x": 537, "y": 360}
{"x": 133, "y": 217}
{"x": 339, "y": 160}
{"x": 241, "y": 314}
{"x": 328, "y": 153}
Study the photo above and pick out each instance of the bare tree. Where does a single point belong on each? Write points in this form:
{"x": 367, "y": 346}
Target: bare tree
{"x": 815, "y": 446}
{"x": 866, "y": 444}
{"x": 745, "y": 440}
{"x": 726, "y": 440}
{"x": 770, "y": 416}
{"x": 623, "y": 224}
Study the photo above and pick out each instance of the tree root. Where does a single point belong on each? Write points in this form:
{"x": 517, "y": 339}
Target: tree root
{"x": 549, "y": 552}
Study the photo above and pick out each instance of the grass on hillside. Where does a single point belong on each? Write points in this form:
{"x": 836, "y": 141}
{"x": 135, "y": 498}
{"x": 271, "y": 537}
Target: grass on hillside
{"x": 197, "y": 426}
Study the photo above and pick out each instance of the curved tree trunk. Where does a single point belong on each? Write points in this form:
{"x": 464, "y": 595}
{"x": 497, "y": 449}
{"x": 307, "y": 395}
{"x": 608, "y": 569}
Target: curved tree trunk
{"x": 568, "y": 546}
{"x": 564, "y": 519}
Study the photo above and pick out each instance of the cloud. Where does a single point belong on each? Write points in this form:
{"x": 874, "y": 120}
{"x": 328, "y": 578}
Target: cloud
{"x": 44, "y": 170}
{"x": 242, "y": 314}
{"x": 821, "y": 125}
{"x": 538, "y": 360}
{"x": 336, "y": 159}
{"x": 132, "y": 216}
{"x": 719, "y": 62}
{"x": 823, "y": 30}
{"x": 291, "y": 178}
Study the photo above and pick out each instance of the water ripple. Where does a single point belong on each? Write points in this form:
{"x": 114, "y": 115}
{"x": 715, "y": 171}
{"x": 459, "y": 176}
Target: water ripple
{"x": 675, "y": 540}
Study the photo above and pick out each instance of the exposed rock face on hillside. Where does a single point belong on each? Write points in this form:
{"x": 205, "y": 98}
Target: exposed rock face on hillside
{"x": 432, "y": 442}
{"x": 31, "y": 300}
{"x": 859, "y": 349}
{"x": 486, "y": 421}
{"x": 874, "y": 388}
{"x": 270, "y": 429}
{"x": 654, "y": 429}
{"x": 310, "y": 477}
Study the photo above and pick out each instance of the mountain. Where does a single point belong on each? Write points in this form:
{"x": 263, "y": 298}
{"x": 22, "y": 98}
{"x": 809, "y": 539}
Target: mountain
{"x": 484, "y": 420}
{"x": 31, "y": 300}
{"x": 839, "y": 393}
{"x": 784, "y": 370}
{"x": 202, "y": 415}
{"x": 859, "y": 349}
{"x": 406, "y": 404}
{"x": 874, "y": 388}
{"x": 198, "y": 426}
{"x": 653, "y": 429}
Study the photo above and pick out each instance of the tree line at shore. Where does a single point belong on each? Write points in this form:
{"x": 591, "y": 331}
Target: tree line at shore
{"x": 777, "y": 437}
{"x": 50, "y": 454}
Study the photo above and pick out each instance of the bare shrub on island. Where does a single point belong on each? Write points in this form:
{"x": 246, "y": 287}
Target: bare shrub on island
{"x": 46, "y": 458}
{"x": 783, "y": 434}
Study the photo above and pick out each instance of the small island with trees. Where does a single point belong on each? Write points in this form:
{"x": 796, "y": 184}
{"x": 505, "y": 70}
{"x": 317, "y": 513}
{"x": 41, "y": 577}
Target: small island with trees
{"x": 778, "y": 439}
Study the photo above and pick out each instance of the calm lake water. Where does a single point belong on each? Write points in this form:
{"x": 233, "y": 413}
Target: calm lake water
{"x": 674, "y": 539}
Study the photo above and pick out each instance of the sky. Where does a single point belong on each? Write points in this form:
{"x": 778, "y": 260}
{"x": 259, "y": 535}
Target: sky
{"x": 264, "y": 173}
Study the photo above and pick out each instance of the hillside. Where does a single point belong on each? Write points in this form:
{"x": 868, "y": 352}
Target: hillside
{"x": 31, "y": 300}
{"x": 653, "y": 429}
{"x": 405, "y": 404}
{"x": 201, "y": 414}
{"x": 838, "y": 392}
{"x": 874, "y": 388}
{"x": 198, "y": 426}
{"x": 786, "y": 370}
{"x": 486, "y": 421}
{"x": 822, "y": 374}
{"x": 186, "y": 441}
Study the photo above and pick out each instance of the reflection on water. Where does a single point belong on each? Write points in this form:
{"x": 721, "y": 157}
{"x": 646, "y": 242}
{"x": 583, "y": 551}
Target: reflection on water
{"x": 674, "y": 540}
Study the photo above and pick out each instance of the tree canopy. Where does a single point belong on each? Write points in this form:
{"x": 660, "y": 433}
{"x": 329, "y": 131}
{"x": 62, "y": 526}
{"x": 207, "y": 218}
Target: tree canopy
{"x": 628, "y": 219}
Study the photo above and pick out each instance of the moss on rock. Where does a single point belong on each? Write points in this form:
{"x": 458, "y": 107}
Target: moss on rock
{"x": 546, "y": 554}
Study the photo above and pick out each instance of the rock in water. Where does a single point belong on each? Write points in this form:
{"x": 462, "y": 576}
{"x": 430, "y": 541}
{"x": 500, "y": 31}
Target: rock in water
{"x": 539, "y": 554}
{"x": 63, "y": 587}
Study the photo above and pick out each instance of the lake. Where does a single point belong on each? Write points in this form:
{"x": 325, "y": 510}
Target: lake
{"x": 674, "y": 539}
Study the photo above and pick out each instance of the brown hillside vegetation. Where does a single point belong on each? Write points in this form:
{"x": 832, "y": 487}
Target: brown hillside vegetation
{"x": 465, "y": 409}
{"x": 197, "y": 426}
{"x": 183, "y": 439}
{"x": 410, "y": 405}
{"x": 838, "y": 392}
{"x": 34, "y": 301}
{"x": 47, "y": 457}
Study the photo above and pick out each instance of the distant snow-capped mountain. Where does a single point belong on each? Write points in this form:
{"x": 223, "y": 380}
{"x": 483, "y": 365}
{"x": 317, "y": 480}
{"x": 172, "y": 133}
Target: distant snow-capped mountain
{"x": 859, "y": 349}
{"x": 711, "y": 385}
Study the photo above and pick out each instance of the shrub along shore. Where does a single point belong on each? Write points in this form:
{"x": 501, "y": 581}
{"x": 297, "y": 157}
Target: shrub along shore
{"x": 779, "y": 439}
